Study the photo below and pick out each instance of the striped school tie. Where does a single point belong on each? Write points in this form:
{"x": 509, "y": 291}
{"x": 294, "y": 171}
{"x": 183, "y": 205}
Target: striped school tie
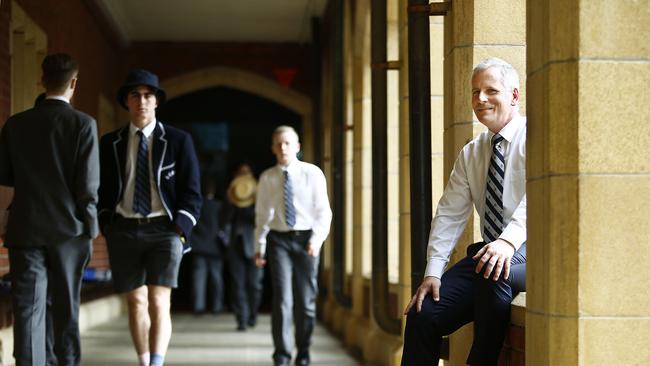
{"x": 289, "y": 209}
{"x": 493, "y": 218}
{"x": 142, "y": 194}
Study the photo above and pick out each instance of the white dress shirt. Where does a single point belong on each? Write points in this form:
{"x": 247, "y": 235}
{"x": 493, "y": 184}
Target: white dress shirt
{"x": 466, "y": 186}
{"x": 309, "y": 199}
{"x": 125, "y": 207}
{"x": 58, "y": 97}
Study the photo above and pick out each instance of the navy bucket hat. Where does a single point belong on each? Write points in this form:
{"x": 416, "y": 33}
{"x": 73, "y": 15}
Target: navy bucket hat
{"x": 140, "y": 77}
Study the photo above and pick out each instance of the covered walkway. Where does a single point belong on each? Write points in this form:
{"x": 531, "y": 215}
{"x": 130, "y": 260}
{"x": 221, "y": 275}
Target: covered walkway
{"x": 206, "y": 340}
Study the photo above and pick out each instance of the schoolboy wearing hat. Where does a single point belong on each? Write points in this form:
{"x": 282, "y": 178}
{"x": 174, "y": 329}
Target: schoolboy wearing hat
{"x": 149, "y": 201}
{"x": 240, "y": 235}
{"x": 241, "y": 191}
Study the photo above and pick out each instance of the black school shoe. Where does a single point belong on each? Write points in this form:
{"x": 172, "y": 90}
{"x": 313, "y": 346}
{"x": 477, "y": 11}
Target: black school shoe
{"x": 302, "y": 359}
{"x": 252, "y": 322}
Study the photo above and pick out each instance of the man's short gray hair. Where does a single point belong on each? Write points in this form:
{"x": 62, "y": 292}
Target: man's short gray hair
{"x": 282, "y": 129}
{"x": 509, "y": 76}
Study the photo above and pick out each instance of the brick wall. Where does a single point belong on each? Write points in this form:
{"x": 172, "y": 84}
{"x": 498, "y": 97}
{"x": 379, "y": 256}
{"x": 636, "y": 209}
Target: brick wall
{"x": 172, "y": 59}
{"x": 99, "y": 259}
{"x": 512, "y": 353}
{"x": 5, "y": 75}
{"x": 71, "y": 28}
{"x": 5, "y": 107}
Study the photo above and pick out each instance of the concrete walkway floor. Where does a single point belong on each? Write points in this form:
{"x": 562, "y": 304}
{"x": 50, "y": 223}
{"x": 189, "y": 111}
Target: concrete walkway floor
{"x": 205, "y": 340}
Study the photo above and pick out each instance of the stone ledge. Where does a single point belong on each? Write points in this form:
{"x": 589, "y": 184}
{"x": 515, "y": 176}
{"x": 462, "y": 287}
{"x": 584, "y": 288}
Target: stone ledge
{"x": 518, "y": 315}
{"x": 91, "y": 313}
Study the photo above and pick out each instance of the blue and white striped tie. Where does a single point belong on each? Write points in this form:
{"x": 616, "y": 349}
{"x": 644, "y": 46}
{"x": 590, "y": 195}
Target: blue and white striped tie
{"x": 289, "y": 209}
{"x": 493, "y": 217}
{"x": 142, "y": 192}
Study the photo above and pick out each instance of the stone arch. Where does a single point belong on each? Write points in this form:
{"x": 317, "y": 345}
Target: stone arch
{"x": 251, "y": 83}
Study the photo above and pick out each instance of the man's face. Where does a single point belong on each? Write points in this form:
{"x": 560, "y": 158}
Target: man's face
{"x": 142, "y": 104}
{"x": 285, "y": 147}
{"x": 493, "y": 104}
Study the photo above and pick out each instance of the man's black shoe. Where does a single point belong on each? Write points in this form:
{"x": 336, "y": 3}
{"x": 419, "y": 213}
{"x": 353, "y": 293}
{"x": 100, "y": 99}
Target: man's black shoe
{"x": 303, "y": 359}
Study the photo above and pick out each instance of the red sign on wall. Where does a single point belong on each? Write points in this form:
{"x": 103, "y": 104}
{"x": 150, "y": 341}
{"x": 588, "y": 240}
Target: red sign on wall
{"x": 285, "y": 76}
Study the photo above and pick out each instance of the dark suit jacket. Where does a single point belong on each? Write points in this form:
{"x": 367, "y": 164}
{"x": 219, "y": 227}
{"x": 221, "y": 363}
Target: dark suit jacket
{"x": 240, "y": 221}
{"x": 49, "y": 154}
{"x": 206, "y": 238}
{"x": 176, "y": 172}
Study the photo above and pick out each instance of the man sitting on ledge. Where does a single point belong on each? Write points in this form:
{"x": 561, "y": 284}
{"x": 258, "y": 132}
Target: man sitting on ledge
{"x": 490, "y": 173}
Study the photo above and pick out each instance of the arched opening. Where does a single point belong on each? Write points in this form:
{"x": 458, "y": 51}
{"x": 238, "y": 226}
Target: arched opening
{"x": 251, "y": 83}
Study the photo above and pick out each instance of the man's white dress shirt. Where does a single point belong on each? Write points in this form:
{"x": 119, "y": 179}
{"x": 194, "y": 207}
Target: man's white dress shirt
{"x": 309, "y": 199}
{"x": 58, "y": 97}
{"x": 466, "y": 186}
{"x": 125, "y": 207}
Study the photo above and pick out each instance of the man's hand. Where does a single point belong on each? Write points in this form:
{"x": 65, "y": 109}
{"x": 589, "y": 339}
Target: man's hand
{"x": 429, "y": 284}
{"x": 225, "y": 240}
{"x": 259, "y": 261}
{"x": 311, "y": 250}
{"x": 180, "y": 233}
{"x": 178, "y": 230}
{"x": 495, "y": 257}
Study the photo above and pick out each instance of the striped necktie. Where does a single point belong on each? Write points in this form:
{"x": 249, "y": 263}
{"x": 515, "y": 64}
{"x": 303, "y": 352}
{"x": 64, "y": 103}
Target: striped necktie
{"x": 493, "y": 217}
{"x": 142, "y": 193}
{"x": 289, "y": 209}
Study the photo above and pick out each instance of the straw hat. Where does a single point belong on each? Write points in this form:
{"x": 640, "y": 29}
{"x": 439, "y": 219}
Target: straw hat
{"x": 241, "y": 192}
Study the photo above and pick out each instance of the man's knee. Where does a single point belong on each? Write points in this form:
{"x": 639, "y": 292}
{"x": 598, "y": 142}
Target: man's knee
{"x": 137, "y": 300}
{"x": 159, "y": 299}
{"x": 424, "y": 320}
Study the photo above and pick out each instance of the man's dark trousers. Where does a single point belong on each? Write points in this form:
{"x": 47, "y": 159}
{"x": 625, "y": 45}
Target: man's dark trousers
{"x": 293, "y": 278}
{"x": 29, "y": 276}
{"x": 207, "y": 279}
{"x": 464, "y": 297}
{"x": 247, "y": 283}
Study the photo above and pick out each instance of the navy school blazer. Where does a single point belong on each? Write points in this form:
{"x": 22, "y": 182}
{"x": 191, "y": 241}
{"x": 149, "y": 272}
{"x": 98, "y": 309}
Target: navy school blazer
{"x": 176, "y": 173}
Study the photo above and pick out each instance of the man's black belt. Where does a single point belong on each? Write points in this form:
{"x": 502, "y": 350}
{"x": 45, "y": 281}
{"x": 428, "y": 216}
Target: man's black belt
{"x": 291, "y": 232}
{"x": 141, "y": 220}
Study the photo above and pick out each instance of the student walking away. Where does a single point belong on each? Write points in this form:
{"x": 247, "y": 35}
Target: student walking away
{"x": 49, "y": 154}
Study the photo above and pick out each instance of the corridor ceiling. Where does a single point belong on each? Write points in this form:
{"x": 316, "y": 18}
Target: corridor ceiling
{"x": 210, "y": 20}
